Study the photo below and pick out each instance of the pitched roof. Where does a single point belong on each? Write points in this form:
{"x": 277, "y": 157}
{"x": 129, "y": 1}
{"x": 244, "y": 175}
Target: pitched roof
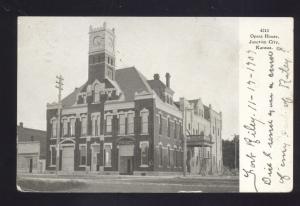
{"x": 71, "y": 98}
{"x": 130, "y": 81}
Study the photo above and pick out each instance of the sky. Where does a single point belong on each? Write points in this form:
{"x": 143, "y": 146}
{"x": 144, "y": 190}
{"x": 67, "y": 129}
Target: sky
{"x": 201, "y": 54}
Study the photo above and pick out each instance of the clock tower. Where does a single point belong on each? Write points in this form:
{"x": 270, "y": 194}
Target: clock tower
{"x": 101, "y": 53}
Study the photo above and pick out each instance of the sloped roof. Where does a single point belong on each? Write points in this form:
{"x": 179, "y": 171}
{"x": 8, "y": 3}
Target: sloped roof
{"x": 154, "y": 83}
{"x": 131, "y": 81}
{"x": 71, "y": 98}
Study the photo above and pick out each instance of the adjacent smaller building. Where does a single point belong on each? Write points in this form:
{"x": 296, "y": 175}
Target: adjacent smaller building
{"x": 31, "y": 150}
{"x": 204, "y": 139}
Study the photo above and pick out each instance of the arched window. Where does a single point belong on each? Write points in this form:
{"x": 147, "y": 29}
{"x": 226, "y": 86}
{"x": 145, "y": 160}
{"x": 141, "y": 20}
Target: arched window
{"x": 97, "y": 93}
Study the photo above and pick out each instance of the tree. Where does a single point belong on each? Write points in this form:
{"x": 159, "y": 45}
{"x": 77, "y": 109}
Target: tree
{"x": 231, "y": 152}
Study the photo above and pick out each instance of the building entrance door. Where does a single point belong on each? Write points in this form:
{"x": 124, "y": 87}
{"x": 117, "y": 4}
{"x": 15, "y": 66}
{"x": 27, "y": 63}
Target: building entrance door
{"x": 68, "y": 159}
{"x": 95, "y": 155}
{"x": 126, "y": 159}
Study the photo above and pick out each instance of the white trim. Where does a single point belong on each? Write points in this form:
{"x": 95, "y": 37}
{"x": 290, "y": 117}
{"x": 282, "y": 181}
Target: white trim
{"x": 95, "y": 114}
{"x": 144, "y": 95}
{"x": 64, "y": 118}
{"x": 67, "y": 139}
{"x": 67, "y": 145}
{"x": 97, "y": 82}
{"x": 144, "y": 110}
{"x": 121, "y": 113}
{"x": 94, "y": 144}
{"x": 107, "y": 144}
{"x": 75, "y": 110}
{"x": 108, "y": 114}
{"x": 144, "y": 142}
{"x": 82, "y": 116}
{"x": 53, "y": 118}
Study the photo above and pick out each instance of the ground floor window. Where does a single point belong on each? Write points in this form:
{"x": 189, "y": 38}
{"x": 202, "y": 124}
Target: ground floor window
{"x": 169, "y": 157}
{"x": 160, "y": 155}
{"x": 107, "y": 155}
{"x": 175, "y": 157}
{"x": 83, "y": 154}
{"x": 180, "y": 158}
{"x": 53, "y": 156}
{"x": 144, "y": 153}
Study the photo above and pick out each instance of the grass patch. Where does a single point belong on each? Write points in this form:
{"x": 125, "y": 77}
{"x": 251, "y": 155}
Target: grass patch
{"x": 38, "y": 185}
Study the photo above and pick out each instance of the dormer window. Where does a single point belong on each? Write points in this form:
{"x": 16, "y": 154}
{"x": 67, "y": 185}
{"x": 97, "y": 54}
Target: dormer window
{"x": 97, "y": 93}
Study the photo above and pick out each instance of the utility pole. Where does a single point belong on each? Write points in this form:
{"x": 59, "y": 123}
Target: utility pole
{"x": 59, "y": 86}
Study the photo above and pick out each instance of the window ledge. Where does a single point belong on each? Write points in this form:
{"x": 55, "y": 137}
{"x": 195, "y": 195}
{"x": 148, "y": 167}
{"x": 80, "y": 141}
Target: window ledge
{"x": 144, "y": 166}
{"x": 82, "y": 165}
{"x": 125, "y": 135}
{"x": 53, "y": 138}
{"x": 52, "y": 165}
{"x": 108, "y": 135}
{"x": 144, "y": 134}
{"x": 108, "y": 166}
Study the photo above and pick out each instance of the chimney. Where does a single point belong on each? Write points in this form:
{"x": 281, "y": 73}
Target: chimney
{"x": 156, "y": 76}
{"x": 21, "y": 124}
{"x": 168, "y": 76}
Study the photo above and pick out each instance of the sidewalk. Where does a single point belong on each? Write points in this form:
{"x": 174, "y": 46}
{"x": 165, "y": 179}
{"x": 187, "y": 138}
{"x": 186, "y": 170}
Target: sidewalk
{"x": 101, "y": 176}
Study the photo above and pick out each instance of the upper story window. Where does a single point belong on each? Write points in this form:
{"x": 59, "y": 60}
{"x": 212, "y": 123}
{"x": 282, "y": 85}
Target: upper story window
{"x": 95, "y": 125}
{"x": 122, "y": 124}
{"x": 97, "y": 93}
{"x": 160, "y": 123}
{"x": 175, "y": 129}
{"x": 169, "y": 127}
{"x": 130, "y": 123}
{"x": 109, "y": 123}
{"x": 65, "y": 127}
{"x": 83, "y": 126}
{"x": 72, "y": 126}
{"x": 54, "y": 128}
{"x": 144, "y": 116}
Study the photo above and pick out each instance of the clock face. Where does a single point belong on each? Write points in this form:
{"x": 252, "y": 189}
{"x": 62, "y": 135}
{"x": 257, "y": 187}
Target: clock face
{"x": 98, "y": 41}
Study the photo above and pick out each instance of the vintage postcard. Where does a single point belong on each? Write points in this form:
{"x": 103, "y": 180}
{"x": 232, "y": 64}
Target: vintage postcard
{"x": 155, "y": 104}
